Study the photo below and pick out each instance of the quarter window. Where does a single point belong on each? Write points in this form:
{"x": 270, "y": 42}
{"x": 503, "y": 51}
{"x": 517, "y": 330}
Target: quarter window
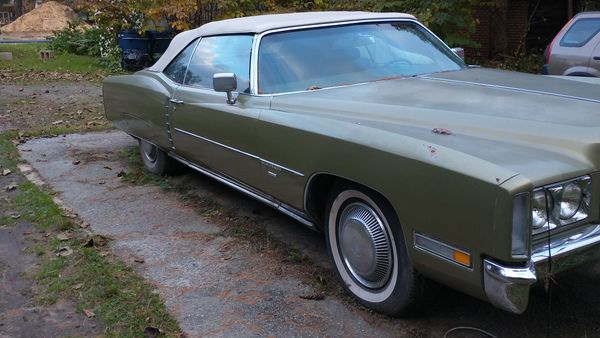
{"x": 581, "y": 32}
{"x": 221, "y": 54}
{"x": 176, "y": 69}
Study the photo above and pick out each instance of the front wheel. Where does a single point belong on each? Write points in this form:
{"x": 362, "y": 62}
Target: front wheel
{"x": 366, "y": 244}
{"x": 155, "y": 160}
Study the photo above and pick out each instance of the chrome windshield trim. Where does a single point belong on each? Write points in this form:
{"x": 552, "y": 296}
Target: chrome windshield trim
{"x": 278, "y": 166}
{"x": 524, "y": 90}
{"x": 258, "y": 38}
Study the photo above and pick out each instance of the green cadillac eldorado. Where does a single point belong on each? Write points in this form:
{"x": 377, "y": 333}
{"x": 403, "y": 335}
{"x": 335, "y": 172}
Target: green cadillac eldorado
{"x": 367, "y": 127}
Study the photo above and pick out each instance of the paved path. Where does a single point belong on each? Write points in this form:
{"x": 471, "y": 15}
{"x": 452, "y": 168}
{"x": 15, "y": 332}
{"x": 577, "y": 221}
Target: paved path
{"x": 217, "y": 286}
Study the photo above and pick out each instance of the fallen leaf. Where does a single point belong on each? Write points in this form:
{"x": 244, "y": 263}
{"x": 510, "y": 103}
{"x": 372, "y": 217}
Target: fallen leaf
{"x": 313, "y": 296}
{"x": 89, "y": 243}
{"x": 77, "y": 286}
{"x": 58, "y": 122}
{"x": 101, "y": 240}
{"x": 15, "y": 215}
{"x": 5, "y": 172}
{"x": 442, "y": 131}
{"x": 10, "y": 187}
{"x": 151, "y": 332}
{"x": 64, "y": 236}
{"x": 76, "y": 162}
{"x": 89, "y": 313}
{"x": 64, "y": 251}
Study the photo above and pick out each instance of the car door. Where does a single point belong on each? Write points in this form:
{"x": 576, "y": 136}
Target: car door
{"x": 204, "y": 127}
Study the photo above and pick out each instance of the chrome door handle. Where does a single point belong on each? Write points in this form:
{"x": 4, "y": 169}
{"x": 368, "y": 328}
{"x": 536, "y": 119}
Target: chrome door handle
{"x": 176, "y": 101}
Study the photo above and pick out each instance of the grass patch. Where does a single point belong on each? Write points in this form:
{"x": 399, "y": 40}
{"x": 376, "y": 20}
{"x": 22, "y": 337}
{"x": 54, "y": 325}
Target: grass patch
{"x": 116, "y": 294}
{"x": 121, "y": 300}
{"x": 26, "y": 58}
{"x": 38, "y": 208}
{"x": 9, "y": 153}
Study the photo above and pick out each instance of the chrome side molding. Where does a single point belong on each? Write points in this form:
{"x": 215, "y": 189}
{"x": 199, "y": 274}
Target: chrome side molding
{"x": 268, "y": 200}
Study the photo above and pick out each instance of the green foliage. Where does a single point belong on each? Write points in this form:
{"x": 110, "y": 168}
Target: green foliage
{"x": 453, "y": 21}
{"x": 520, "y": 62}
{"x": 76, "y": 39}
{"x": 99, "y": 42}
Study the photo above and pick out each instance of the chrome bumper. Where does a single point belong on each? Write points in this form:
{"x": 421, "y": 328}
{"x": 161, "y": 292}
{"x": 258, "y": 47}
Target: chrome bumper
{"x": 508, "y": 287}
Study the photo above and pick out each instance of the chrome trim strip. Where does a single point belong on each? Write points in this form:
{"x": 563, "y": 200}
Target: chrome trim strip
{"x": 566, "y": 244}
{"x": 258, "y": 38}
{"x": 269, "y": 163}
{"x": 216, "y": 143}
{"x": 486, "y": 85}
{"x": 417, "y": 235}
{"x": 284, "y": 208}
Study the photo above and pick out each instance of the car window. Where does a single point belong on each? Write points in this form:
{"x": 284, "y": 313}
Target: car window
{"x": 331, "y": 56}
{"x": 581, "y": 32}
{"x": 176, "y": 69}
{"x": 221, "y": 54}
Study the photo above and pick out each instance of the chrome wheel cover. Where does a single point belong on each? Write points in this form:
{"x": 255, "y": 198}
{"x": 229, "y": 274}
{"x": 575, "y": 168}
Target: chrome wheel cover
{"x": 364, "y": 245}
{"x": 150, "y": 151}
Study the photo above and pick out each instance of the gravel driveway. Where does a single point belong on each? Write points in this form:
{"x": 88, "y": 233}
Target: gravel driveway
{"x": 217, "y": 285}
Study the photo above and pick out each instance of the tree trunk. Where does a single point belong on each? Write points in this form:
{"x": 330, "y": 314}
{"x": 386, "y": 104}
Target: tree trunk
{"x": 18, "y": 8}
{"x": 498, "y": 34}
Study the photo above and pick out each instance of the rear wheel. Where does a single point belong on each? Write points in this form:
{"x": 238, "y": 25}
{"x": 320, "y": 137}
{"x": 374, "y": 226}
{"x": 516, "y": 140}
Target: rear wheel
{"x": 155, "y": 160}
{"x": 366, "y": 244}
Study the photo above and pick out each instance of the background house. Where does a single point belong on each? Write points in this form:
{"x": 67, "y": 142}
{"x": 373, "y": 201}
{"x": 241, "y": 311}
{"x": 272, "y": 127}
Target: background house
{"x": 511, "y": 26}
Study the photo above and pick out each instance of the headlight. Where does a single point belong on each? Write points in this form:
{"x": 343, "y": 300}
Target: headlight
{"x": 560, "y": 204}
{"x": 539, "y": 214}
{"x": 570, "y": 200}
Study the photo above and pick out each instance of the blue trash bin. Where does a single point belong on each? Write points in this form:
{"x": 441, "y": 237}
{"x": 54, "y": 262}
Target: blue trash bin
{"x": 135, "y": 49}
{"x": 159, "y": 41}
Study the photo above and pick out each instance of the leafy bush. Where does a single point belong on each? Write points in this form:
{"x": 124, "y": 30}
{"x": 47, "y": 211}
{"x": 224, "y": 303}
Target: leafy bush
{"x": 91, "y": 41}
{"x": 519, "y": 61}
{"x": 77, "y": 39}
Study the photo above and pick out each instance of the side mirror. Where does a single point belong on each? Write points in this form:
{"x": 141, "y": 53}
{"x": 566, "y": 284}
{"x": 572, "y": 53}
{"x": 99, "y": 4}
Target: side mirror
{"x": 225, "y": 82}
{"x": 460, "y": 52}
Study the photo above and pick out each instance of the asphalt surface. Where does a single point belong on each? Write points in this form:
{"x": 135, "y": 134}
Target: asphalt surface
{"x": 217, "y": 286}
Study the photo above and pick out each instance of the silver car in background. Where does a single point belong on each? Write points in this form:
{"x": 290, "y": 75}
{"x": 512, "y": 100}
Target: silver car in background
{"x": 575, "y": 50}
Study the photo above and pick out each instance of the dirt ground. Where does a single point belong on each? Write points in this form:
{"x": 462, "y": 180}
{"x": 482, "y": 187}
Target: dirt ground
{"x": 21, "y": 315}
{"x": 54, "y": 104}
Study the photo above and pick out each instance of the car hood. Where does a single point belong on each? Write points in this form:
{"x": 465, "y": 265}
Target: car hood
{"x": 540, "y": 127}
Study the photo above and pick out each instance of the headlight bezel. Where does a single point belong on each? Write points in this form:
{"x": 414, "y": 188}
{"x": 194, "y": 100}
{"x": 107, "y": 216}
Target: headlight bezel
{"x": 552, "y": 196}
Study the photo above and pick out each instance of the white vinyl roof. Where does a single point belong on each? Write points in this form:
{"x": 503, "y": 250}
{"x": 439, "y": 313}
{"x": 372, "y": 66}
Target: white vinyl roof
{"x": 263, "y": 23}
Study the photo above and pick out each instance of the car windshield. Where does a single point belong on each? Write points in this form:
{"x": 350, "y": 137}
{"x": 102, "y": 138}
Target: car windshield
{"x": 333, "y": 56}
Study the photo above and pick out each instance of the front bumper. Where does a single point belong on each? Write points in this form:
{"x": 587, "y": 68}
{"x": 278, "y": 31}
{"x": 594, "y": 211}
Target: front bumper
{"x": 507, "y": 287}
